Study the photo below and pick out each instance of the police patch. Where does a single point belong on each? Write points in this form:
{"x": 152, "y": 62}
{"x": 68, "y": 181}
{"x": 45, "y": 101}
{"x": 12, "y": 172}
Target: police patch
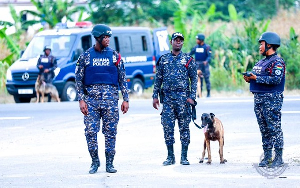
{"x": 278, "y": 72}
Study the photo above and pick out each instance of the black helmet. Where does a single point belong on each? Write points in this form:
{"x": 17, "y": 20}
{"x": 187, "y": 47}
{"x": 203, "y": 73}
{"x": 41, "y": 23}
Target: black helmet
{"x": 200, "y": 36}
{"x": 47, "y": 47}
{"x": 101, "y": 29}
{"x": 270, "y": 38}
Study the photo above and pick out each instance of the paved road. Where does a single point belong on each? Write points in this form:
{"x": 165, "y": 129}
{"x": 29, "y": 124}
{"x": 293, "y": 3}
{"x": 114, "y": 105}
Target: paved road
{"x": 43, "y": 145}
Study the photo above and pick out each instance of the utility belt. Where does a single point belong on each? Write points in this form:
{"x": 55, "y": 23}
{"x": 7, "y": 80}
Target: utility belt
{"x": 199, "y": 62}
{"x": 171, "y": 94}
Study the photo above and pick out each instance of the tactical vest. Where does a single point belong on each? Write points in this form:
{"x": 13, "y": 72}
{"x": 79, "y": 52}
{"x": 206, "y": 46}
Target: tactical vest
{"x": 261, "y": 69}
{"x": 46, "y": 61}
{"x": 201, "y": 52}
{"x": 101, "y": 69}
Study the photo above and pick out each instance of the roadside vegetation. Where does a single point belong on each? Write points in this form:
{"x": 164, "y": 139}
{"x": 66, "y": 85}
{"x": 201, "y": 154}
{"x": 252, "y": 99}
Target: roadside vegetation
{"x": 232, "y": 29}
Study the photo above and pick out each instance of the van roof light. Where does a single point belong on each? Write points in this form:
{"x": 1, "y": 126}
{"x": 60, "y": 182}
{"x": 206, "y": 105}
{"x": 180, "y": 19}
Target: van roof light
{"x": 83, "y": 24}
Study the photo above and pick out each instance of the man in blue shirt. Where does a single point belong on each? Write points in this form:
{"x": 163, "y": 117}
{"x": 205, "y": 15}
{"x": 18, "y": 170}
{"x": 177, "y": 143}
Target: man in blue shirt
{"x": 176, "y": 78}
{"x": 202, "y": 53}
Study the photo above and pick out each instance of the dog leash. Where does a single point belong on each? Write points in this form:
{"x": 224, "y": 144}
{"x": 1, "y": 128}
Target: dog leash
{"x": 194, "y": 116}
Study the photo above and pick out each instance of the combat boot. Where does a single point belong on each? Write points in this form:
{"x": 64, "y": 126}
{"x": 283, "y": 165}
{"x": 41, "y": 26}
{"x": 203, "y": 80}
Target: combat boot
{"x": 208, "y": 93}
{"x": 277, "y": 162}
{"x": 171, "y": 157}
{"x": 184, "y": 160}
{"x": 109, "y": 163}
{"x": 95, "y": 161}
{"x": 267, "y": 158}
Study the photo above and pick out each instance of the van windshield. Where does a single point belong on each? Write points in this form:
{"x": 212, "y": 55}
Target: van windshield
{"x": 60, "y": 46}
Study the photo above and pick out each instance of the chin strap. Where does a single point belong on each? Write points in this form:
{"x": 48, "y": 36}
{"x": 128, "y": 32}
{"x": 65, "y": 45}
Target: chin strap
{"x": 266, "y": 49}
{"x": 100, "y": 39}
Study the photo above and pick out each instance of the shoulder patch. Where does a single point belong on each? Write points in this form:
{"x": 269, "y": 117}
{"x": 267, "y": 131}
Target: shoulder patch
{"x": 279, "y": 67}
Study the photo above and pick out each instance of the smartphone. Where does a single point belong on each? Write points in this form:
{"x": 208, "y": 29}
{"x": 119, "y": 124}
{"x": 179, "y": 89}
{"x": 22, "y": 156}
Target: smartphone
{"x": 247, "y": 73}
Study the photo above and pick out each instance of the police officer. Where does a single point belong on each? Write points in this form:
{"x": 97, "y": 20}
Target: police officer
{"x": 46, "y": 64}
{"x": 202, "y": 53}
{"x": 176, "y": 78}
{"x": 99, "y": 73}
{"x": 267, "y": 84}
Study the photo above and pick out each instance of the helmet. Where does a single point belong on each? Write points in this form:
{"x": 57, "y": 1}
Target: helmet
{"x": 200, "y": 36}
{"x": 47, "y": 47}
{"x": 101, "y": 29}
{"x": 270, "y": 38}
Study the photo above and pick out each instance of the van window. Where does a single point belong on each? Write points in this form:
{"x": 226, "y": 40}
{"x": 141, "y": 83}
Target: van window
{"x": 86, "y": 42}
{"x": 144, "y": 42}
{"x": 126, "y": 45}
{"x": 116, "y": 40}
{"x": 60, "y": 46}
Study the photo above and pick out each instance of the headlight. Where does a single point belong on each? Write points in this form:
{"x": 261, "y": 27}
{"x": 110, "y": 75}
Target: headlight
{"x": 56, "y": 71}
{"x": 8, "y": 75}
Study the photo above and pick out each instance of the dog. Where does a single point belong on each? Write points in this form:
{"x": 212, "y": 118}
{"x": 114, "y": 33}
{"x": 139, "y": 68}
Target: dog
{"x": 41, "y": 87}
{"x": 213, "y": 130}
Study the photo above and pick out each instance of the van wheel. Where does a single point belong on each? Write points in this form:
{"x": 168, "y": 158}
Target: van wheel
{"x": 69, "y": 92}
{"x": 137, "y": 87}
{"x": 21, "y": 99}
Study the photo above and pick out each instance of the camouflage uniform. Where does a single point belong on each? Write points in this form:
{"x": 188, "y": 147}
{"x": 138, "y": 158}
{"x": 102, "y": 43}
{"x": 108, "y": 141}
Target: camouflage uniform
{"x": 173, "y": 78}
{"x": 268, "y": 100}
{"x": 102, "y": 102}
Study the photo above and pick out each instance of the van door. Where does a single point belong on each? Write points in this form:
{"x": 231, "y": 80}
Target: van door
{"x": 161, "y": 42}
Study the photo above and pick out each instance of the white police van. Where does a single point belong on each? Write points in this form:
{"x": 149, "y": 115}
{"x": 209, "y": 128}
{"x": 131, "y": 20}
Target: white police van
{"x": 139, "y": 48}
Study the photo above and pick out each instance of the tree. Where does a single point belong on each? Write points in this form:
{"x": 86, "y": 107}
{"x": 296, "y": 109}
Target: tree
{"x": 105, "y": 11}
{"x": 52, "y": 12}
{"x": 255, "y": 8}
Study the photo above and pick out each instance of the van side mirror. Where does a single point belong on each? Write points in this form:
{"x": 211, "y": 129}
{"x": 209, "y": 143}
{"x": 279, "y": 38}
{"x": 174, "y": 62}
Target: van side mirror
{"x": 21, "y": 53}
{"x": 77, "y": 53}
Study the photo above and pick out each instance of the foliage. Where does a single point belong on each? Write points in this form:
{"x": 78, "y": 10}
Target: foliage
{"x": 257, "y": 9}
{"x": 11, "y": 40}
{"x": 52, "y": 12}
{"x": 289, "y": 50}
{"x": 11, "y": 44}
{"x": 3, "y": 67}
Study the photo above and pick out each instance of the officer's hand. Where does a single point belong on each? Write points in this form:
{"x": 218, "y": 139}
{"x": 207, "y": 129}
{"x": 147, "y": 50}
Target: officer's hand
{"x": 155, "y": 103}
{"x": 246, "y": 78}
{"x": 83, "y": 107}
{"x": 46, "y": 70}
{"x": 189, "y": 100}
{"x": 124, "y": 107}
{"x": 204, "y": 62}
{"x": 252, "y": 77}
{"x": 41, "y": 66}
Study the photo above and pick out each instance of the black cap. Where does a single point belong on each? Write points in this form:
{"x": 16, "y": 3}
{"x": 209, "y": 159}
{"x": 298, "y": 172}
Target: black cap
{"x": 47, "y": 47}
{"x": 200, "y": 36}
{"x": 177, "y": 34}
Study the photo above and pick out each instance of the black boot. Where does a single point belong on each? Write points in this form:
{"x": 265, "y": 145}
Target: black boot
{"x": 208, "y": 93}
{"x": 95, "y": 161}
{"x": 277, "y": 162}
{"x": 109, "y": 163}
{"x": 171, "y": 157}
{"x": 183, "y": 159}
{"x": 266, "y": 161}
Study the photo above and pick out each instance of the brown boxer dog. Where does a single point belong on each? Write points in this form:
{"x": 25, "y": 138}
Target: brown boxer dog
{"x": 213, "y": 130}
